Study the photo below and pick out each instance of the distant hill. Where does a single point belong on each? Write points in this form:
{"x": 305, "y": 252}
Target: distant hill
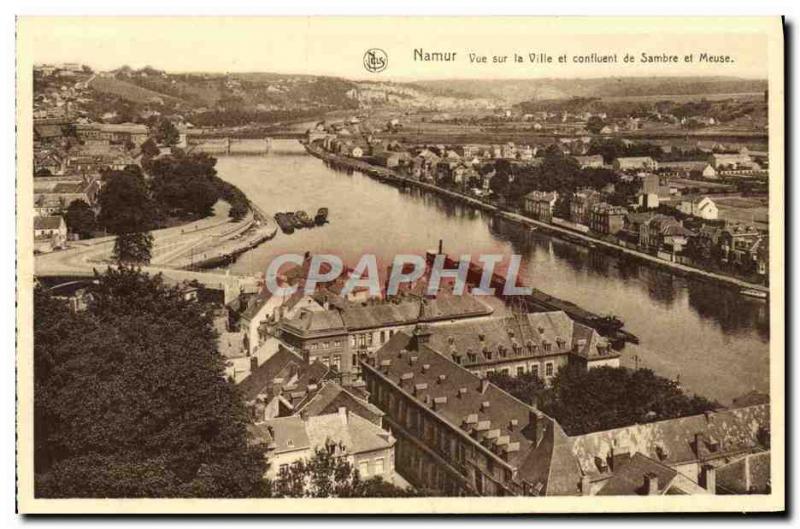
{"x": 517, "y": 90}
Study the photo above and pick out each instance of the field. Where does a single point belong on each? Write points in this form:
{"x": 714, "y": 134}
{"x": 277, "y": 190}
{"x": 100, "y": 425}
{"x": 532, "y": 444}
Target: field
{"x": 126, "y": 90}
{"x": 750, "y": 210}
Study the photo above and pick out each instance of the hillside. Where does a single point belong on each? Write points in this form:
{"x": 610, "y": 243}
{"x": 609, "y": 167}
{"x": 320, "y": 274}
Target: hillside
{"x": 128, "y": 91}
{"x": 516, "y": 91}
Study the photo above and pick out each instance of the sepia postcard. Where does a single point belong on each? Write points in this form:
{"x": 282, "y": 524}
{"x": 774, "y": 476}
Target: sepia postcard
{"x": 400, "y": 265}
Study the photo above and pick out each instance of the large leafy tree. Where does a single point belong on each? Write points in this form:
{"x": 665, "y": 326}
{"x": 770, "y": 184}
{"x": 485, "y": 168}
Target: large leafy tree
{"x": 125, "y": 205}
{"x": 133, "y": 248}
{"x": 80, "y": 218}
{"x": 605, "y": 397}
{"x": 131, "y": 398}
{"x": 327, "y": 475}
{"x": 184, "y": 184}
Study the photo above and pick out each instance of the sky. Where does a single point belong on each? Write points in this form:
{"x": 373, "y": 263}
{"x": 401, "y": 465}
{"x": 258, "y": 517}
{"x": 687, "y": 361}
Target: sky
{"x": 336, "y": 45}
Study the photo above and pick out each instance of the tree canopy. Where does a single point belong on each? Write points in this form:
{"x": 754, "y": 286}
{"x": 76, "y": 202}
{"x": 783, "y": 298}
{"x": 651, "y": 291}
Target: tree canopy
{"x": 327, "y": 475}
{"x": 131, "y": 399}
{"x": 184, "y": 184}
{"x": 133, "y": 248}
{"x": 80, "y": 218}
{"x": 605, "y": 397}
{"x": 125, "y": 204}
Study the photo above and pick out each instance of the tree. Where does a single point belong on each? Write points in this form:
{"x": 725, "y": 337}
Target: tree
{"x": 150, "y": 149}
{"x": 133, "y": 248}
{"x": 595, "y": 124}
{"x": 329, "y": 475}
{"x": 80, "y": 218}
{"x": 184, "y": 184}
{"x": 131, "y": 400}
{"x": 605, "y": 397}
{"x": 166, "y": 133}
{"x": 527, "y": 387}
{"x": 125, "y": 204}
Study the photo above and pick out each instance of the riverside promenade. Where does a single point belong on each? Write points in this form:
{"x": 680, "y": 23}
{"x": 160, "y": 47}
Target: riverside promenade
{"x": 388, "y": 175}
{"x": 178, "y": 252}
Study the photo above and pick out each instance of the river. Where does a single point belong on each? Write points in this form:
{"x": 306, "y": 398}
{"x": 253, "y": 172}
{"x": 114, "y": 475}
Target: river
{"x": 715, "y": 341}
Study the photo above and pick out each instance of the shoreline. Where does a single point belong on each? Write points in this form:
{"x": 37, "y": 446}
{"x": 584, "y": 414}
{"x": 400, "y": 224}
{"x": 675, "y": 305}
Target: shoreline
{"x": 387, "y": 175}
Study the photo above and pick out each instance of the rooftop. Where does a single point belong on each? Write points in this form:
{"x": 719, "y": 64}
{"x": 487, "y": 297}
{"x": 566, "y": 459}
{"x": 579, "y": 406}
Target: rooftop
{"x": 503, "y": 426}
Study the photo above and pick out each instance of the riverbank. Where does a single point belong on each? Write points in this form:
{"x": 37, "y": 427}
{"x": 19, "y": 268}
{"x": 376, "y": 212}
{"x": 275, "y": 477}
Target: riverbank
{"x": 391, "y": 176}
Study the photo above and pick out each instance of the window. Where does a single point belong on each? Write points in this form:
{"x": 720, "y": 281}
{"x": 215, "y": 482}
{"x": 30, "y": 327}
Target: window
{"x": 535, "y": 370}
{"x": 383, "y": 336}
{"x": 363, "y": 468}
{"x": 520, "y": 370}
{"x": 378, "y": 467}
{"x": 506, "y": 371}
{"x": 326, "y": 360}
{"x": 283, "y": 469}
{"x": 337, "y": 362}
{"x": 548, "y": 369}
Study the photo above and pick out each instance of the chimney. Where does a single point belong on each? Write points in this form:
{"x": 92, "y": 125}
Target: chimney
{"x": 385, "y": 364}
{"x": 438, "y": 402}
{"x": 406, "y": 377}
{"x": 441, "y": 378}
{"x": 537, "y": 425}
{"x": 412, "y": 360}
{"x": 419, "y": 389}
{"x": 585, "y": 485}
{"x": 485, "y": 405}
{"x": 462, "y": 392}
{"x": 709, "y": 478}
{"x": 343, "y": 414}
{"x": 426, "y": 368}
{"x": 651, "y": 484}
{"x": 512, "y": 424}
{"x": 484, "y": 385}
{"x": 421, "y": 335}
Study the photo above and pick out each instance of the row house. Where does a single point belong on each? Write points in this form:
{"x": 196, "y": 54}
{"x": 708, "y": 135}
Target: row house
{"x": 689, "y": 169}
{"x": 607, "y": 219}
{"x": 458, "y": 434}
{"x": 635, "y": 163}
{"x": 664, "y": 236}
{"x": 289, "y": 440}
{"x": 730, "y": 161}
{"x": 339, "y": 337}
{"x": 539, "y": 343}
{"x": 594, "y": 161}
{"x": 740, "y": 244}
{"x": 539, "y": 204}
{"x": 114, "y": 133}
{"x": 580, "y": 206}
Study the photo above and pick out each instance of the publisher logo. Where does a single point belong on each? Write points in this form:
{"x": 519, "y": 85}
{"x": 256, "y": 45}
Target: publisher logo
{"x": 375, "y": 60}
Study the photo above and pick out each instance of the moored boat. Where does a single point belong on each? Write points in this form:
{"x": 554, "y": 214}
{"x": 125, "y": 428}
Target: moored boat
{"x": 285, "y": 222}
{"x": 753, "y": 293}
{"x": 303, "y": 220}
{"x": 321, "y": 216}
